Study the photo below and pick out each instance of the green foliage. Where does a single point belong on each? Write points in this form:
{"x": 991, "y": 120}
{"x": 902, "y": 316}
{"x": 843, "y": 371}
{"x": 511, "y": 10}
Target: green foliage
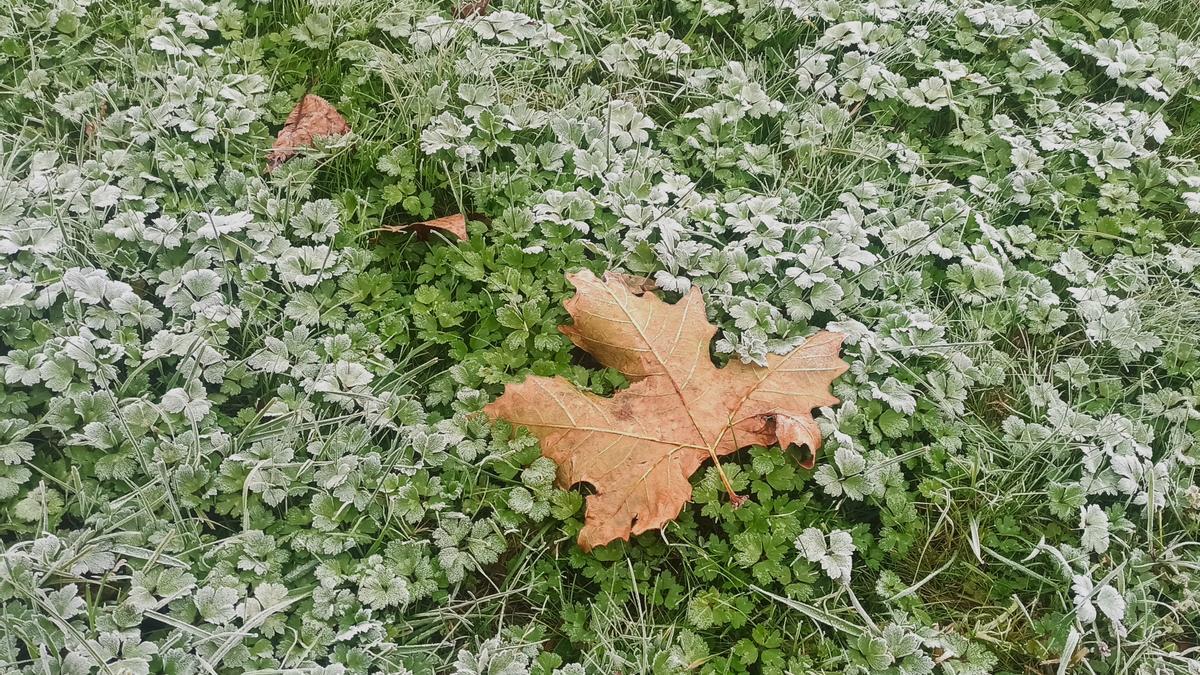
{"x": 241, "y": 423}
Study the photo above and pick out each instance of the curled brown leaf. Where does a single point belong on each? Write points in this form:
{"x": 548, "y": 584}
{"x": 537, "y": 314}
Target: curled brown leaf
{"x": 312, "y": 118}
{"x": 454, "y": 226}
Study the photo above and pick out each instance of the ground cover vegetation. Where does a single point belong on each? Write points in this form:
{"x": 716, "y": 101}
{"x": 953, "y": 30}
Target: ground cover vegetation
{"x": 241, "y": 419}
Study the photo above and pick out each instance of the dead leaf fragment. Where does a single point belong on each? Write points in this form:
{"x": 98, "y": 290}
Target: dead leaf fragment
{"x": 470, "y": 8}
{"x": 91, "y": 127}
{"x": 639, "y": 447}
{"x": 312, "y": 118}
{"x": 638, "y": 285}
{"x": 455, "y": 226}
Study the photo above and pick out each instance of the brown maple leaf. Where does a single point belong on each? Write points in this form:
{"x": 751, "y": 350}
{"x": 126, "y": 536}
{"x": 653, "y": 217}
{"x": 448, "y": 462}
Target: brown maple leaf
{"x": 312, "y": 118}
{"x": 639, "y": 447}
{"x": 455, "y": 226}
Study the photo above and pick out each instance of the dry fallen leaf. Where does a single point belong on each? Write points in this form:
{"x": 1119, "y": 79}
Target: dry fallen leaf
{"x": 91, "y": 127}
{"x": 455, "y": 225}
{"x": 471, "y": 8}
{"x": 639, "y": 447}
{"x": 312, "y": 118}
{"x": 638, "y": 285}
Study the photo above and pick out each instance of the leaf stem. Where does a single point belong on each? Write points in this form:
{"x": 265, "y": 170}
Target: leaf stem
{"x": 734, "y": 498}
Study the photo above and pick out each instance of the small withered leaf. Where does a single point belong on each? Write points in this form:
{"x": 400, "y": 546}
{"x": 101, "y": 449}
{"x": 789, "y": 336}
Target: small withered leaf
{"x": 454, "y": 226}
{"x": 470, "y": 8}
{"x": 312, "y": 118}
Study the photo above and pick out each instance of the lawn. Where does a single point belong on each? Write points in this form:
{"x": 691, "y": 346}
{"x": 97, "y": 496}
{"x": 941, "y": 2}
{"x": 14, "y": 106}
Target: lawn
{"x": 261, "y": 413}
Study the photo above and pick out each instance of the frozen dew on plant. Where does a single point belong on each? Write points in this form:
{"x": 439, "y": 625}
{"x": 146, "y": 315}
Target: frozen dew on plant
{"x": 241, "y": 428}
